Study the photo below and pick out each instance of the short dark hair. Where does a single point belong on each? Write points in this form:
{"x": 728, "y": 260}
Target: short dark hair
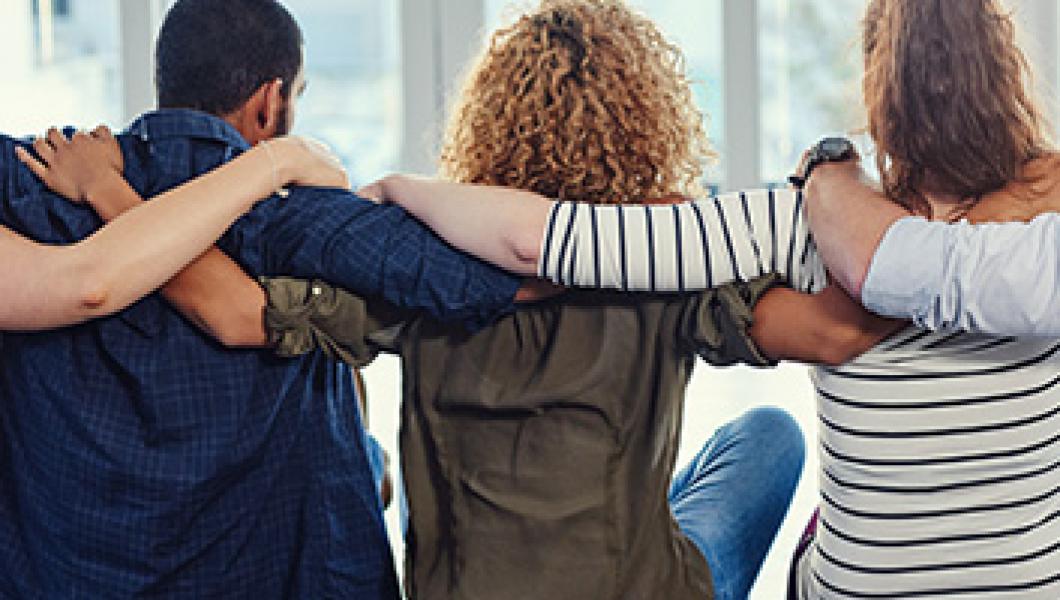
{"x": 212, "y": 55}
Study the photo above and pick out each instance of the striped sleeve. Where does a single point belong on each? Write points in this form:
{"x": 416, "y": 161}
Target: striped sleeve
{"x": 689, "y": 246}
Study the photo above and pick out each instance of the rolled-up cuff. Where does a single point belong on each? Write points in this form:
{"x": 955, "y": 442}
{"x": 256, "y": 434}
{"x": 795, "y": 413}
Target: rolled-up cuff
{"x": 731, "y": 311}
{"x": 302, "y": 316}
{"x": 907, "y": 270}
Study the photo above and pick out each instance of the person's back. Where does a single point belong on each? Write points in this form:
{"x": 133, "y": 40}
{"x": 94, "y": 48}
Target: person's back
{"x": 939, "y": 459}
{"x": 141, "y": 458}
{"x": 940, "y": 464}
{"x": 137, "y": 449}
{"x": 538, "y": 453}
{"x": 940, "y": 468}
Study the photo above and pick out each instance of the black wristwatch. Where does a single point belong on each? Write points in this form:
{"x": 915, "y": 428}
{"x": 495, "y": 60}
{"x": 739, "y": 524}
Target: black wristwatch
{"x": 831, "y": 149}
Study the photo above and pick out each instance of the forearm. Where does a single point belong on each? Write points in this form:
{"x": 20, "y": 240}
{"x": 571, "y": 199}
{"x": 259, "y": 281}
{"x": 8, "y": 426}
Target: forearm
{"x": 137, "y": 252}
{"x": 849, "y": 219}
{"x": 143, "y": 248}
{"x": 682, "y": 247}
{"x": 501, "y": 226}
{"x": 213, "y": 291}
{"x": 218, "y": 297}
{"x": 41, "y": 287}
{"x": 826, "y": 328}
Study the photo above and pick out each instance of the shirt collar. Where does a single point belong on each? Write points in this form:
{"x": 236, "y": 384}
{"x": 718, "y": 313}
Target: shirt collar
{"x": 185, "y": 123}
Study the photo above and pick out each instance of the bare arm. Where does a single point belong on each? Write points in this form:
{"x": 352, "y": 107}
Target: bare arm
{"x": 47, "y": 287}
{"x": 825, "y": 328}
{"x": 213, "y": 292}
{"x": 502, "y": 226}
{"x": 848, "y": 218}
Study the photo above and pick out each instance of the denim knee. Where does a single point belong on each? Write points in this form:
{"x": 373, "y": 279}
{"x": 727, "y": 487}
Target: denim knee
{"x": 777, "y": 435}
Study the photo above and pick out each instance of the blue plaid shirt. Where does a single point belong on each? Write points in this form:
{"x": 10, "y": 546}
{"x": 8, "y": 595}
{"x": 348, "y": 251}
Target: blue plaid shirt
{"x": 139, "y": 458}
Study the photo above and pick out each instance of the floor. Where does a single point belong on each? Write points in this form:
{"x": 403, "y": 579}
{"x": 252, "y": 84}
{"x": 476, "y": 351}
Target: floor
{"x": 715, "y": 396}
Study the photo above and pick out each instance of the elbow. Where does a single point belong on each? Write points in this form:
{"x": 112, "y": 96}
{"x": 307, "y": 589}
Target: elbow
{"x": 241, "y": 338}
{"x": 841, "y": 344}
{"x": 241, "y": 331}
{"x": 94, "y": 298}
{"x": 96, "y": 292}
{"x": 525, "y": 250}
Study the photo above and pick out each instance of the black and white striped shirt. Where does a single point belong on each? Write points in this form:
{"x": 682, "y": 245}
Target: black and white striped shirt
{"x": 686, "y": 246}
{"x": 939, "y": 452}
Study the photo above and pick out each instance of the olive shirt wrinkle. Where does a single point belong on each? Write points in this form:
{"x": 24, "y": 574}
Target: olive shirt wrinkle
{"x": 537, "y": 452}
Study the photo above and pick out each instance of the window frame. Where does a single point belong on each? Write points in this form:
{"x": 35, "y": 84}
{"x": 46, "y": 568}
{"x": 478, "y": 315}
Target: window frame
{"x": 438, "y": 38}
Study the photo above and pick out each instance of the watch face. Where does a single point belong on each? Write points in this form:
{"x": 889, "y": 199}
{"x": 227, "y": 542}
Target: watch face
{"x": 835, "y": 148}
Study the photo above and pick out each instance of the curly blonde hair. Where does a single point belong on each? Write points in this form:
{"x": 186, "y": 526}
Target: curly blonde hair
{"x": 579, "y": 100}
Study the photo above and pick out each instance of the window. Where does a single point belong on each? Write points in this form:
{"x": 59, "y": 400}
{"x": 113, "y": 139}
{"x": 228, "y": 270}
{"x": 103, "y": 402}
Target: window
{"x": 696, "y": 28}
{"x": 354, "y": 81}
{"x": 63, "y": 63}
{"x": 810, "y": 71}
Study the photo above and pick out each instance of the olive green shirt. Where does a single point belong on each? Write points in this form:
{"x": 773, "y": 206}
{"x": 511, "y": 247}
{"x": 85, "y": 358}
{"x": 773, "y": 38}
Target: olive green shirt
{"x": 537, "y": 452}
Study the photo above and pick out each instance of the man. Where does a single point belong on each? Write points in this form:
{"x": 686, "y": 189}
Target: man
{"x": 998, "y": 278}
{"x": 142, "y": 459}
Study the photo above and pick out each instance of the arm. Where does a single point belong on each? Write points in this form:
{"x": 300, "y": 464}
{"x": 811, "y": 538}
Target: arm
{"x": 213, "y": 292}
{"x": 373, "y": 250}
{"x": 56, "y": 286}
{"x": 499, "y": 225}
{"x": 1001, "y": 279}
{"x": 942, "y": 276}
{"x": 302, "y": 316}
{"x": 678, "y": 247}
{"x": 849, "y": 219}
{"x": 826, "y": 328}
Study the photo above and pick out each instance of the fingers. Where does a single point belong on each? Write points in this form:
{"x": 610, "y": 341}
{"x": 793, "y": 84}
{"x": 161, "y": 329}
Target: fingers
{"x": 80, "y": 137}
{"x": 56, "y": 138}
{"x": 102, "y": 132}
{"x": 44, "y": 150}
{"x": 373, "y": 192}
{"x": 37, "y": 167}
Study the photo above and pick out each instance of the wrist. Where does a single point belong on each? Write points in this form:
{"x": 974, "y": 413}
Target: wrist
{"x": 285, "y": 157}
{"x": 110, "y": 196}
{"x": 828, "y": 175}
{"x": 392, "y": 187}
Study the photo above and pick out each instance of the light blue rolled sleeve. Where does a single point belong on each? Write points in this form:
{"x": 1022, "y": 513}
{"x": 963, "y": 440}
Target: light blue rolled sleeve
{"x": 1001, "y": 279}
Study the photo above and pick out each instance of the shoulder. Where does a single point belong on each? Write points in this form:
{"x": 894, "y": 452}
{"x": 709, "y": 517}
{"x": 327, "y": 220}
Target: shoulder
{"x": 1036, "y": 192}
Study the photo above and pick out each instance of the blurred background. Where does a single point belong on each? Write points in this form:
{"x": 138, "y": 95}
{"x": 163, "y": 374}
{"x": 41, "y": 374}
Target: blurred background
{"x": 772, "y": 76}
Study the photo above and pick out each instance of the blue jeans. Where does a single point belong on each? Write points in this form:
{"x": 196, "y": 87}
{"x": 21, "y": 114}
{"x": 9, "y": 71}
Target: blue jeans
{"x": 732, "y": 498}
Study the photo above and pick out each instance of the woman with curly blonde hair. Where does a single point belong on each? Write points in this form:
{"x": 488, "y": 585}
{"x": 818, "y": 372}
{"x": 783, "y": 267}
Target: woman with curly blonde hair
{"x": 579, "y": 100}
{"x": 538, "y": 453}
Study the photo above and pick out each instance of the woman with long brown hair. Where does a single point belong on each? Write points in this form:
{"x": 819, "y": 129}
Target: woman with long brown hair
{"x": 939, "y": 455}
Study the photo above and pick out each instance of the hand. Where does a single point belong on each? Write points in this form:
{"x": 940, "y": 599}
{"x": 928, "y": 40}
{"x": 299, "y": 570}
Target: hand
{"x": 375, "y": 191}
{"x": 397, "y": 187}
{"x": 73, "y": 167}
{"x": 303, "y": 161}
{"x": 381, "y": 191}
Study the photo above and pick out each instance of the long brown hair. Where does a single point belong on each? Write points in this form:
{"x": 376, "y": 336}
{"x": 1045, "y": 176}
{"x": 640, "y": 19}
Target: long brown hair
{"x": 946, "y": 90}
{"x": 583, "y": 100}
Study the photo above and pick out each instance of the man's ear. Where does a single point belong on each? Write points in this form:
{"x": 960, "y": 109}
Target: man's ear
{"x": 271, "y": 117}
{"x": 262, "y": 116}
